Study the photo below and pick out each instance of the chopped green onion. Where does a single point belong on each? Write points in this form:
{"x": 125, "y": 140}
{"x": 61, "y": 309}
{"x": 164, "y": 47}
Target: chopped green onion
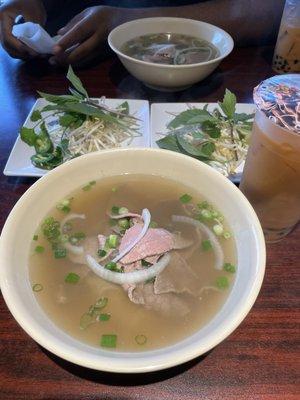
{"x": 67, "y": 227}
{"x": 229, "y": 268}
{"x": 85, "y": 320}
{"x": 114, "y": 189}
{"x": 145, "y": 263}
{"x": 104, "y": 317}
{"x": 86, "y": 187}
{"x": 206, "y": 214}
{"x": 203, "y": 204}
{"x": 64, "y": 238}
{"x": 226, "y": 235}
{"x": 37, "y": 287}
{"x": 218, "y": 229}
{"x": 123, "y": 210}
{"x": 115, "y": 210}
{"x": 39, "y": 249}
{"x": 35, "y": 237}
{"x": 64, "y": 206}
{"x": 73, "y": 240}
{"x": 101, "y": 253}
{"x": 102, "y": 302}
{"x": 113, "y": 222}
{"x": 141, "y": 339}
{"x": 124, "y": 223}
{"x": 72, "y": 278}
{"x": 60, "y": 252}
{"x": 222, "y": 282}
{"x": 112, "y": 241}
{"x": 112, "y": 266}
{"x": 108, "y": 341}
{"x": 153, "y": 224}
{"x": 92, "y": 183}
{"x": 185, "y": 198}
{"x": 206, "y": 245}
{"x": 76, "y": 237}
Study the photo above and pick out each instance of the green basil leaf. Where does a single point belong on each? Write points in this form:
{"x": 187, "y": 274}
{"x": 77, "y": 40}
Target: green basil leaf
{"x": 211, "y": 129}
{"x": 191, "y": 116}
{"x": 241, "y": 117}
{"x": 58, "y": 99}
{"x": 208, "y": 148}
{"x": 76, "y": 82}
{"x": 190, "y": 149}
{"x": 228, "y": 104}
{"x": 67, "y": 119}
{"x": 76, "y": 94}
{"x": 124, "y": 107}
{"x": 28, "y": 136}
{"x": 169, "y": 142}
{"x": 35, "y": 116}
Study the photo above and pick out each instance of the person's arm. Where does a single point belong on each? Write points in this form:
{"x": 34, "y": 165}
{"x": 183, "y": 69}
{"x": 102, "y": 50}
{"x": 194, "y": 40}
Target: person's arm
{"x": 250, "y": 22}
{"x": 31, "y": 10}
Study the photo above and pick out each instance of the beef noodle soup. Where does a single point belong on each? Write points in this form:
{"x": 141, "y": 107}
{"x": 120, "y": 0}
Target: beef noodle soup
{"x": 132, "y": 263}
{"x": 170, "y": 48}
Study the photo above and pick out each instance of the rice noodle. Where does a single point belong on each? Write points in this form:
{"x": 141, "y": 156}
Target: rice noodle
{"x": 216, "y": 245}
{"x": 77, "y": 250}
{"x": 147, "y": 219}
{"x": 134, "y": 277}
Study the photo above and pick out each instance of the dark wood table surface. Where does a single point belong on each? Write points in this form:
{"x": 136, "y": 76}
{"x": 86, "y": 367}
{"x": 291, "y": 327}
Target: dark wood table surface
{"x": 260, "y": 360}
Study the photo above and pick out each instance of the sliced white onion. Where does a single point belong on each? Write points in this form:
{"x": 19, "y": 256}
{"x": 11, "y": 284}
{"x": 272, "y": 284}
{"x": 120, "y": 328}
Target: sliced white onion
{"x": 146, "y": 218}
{"x": 134, "y": 277}
{"x": 215, "y": 243}
{"x": 77, "y": 250}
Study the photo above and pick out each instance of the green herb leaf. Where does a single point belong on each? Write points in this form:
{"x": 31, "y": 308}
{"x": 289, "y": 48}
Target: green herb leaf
{"x": 60, "y": 252}
{"x": 222, "y": 282}
{"x": 115, "y": 210}
{"x": 35, "y": 115}
{"x": 188, "y": 117}
{"x": 190, "y": 149}
{"x": 102, "y": 302}
{"x": 228, "y": 104}
{"x": 101, "y": 253}
{"x": 108, "y": 341}
{"x": 185, "y": 198}
{"x": 57, "y": 99}
{"x": 124, "y": 108}
{"x": 67, "y": 119}
{"x": 145, "y": 263}
{"x": 76, "y": 94}
{"x": 76, "y": 82}
{"x": 207, "y": 149}
{"x": 72, "y": 278}
{"x": 241, "y": 117}
{"x": 169, "y": 142}
{"x": 211, "y": 129}
{"x": 35, "y": 237}
{"x": 28, "y": 136}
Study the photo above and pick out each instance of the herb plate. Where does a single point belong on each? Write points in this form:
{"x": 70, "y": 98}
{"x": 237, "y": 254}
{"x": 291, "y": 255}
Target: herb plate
{"x": 163, "y": 113}
{"x": 19, "y": 163}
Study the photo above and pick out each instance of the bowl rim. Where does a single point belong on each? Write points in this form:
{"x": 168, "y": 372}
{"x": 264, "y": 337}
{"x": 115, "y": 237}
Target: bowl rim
{"x": 157, "y": 65}
{"x": 144, "y": 361}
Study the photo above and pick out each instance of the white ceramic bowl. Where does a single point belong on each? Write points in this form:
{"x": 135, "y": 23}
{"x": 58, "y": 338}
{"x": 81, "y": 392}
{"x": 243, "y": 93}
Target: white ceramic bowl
{"x": 169, "y": 77}
{"x": 25, "y": 217}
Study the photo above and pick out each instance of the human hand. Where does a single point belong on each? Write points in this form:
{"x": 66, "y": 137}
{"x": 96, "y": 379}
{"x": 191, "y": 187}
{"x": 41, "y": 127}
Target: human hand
{"x": 84, "y": 36}
{"x": 31, "y": 10}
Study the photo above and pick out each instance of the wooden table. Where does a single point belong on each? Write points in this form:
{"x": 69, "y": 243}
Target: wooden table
{"x": 258, "y": 361}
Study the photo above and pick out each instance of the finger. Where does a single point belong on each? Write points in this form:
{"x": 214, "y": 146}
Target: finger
{"x": 81, "y": 31}
{"x": 70, "y": 24}
{"x": 10, "y": 43}
{"x": 83, "y": 50}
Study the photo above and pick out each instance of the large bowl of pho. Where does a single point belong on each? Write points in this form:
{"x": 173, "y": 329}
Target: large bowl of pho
{"x": 131, "y": 260}
{"x": 170, "y": 53}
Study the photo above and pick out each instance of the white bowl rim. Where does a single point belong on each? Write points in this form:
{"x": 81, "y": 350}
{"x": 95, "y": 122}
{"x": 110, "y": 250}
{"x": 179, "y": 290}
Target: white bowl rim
{"x": 185, "y": 66}
{"x": 119, "y": 363}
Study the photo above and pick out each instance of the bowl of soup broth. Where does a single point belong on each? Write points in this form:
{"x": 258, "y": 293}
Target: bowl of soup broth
{"x": 131, "y": 260}
{"x": 170, "y": 54}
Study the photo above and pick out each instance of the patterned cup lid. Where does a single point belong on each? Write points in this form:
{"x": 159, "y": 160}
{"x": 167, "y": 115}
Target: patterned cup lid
{"x": 279, "y": 99}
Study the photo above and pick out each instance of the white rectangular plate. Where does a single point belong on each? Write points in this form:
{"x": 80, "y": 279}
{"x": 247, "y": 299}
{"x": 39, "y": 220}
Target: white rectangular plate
{"x": 19, "y": 164}
{"x": 161, "y": 115}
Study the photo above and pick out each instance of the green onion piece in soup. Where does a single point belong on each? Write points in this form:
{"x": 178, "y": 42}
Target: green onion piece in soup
{"x": 222, "y": 282}
{"x": 35, "y": 237}
{"x": 185, "y": 198}
{"x": 141, "y": 339}
{"x": 228, "y": 267}
{"x": 72, "y": 278}
{"x": 103, "y": 317}
{"x": 206, "y": 245}
{"x": 39, "y": 249}
{"x": 109, "y": 341}
{"x": 85, "y": 320}
{"x": 37, "y": 287}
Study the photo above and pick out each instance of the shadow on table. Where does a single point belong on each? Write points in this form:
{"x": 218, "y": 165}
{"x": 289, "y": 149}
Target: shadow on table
{"x": 114, "y": 379}
{"x": 130, "y": 87}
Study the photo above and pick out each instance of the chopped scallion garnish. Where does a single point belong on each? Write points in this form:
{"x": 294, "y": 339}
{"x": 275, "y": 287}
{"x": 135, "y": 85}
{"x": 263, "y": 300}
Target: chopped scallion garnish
{"x": 103, "y": 317}
{"x": 60, "y": 252}
{"x": 226, "y": 235}
{"x": 228, "y": 267}
{"x": 102, "y": 253}
{"x": 123, "y": 210}
{"x": 64, "y": 206}
{"x": 92, "y": 183}
{"x": 124, "y": 223}
{"x": 153, "y": 224}
{"x": 37, "y": 287}
{"x": 39, "y": 249}
{"x": 206, "y": 214}
{"x": 115, "y": 210}
{"x": 222, "y": 282}
{"x": 114, "y": 189}
{"x": 108, "y": 341}
{"x": 141, "y": 339}
{"x": 72, "y": 278}
{"x": 218, "y": 229}
{"x": 145, "y": 263}
{"x": 185, "y": 198}
{"x": 203, "y": 204}
{"x": 112, "y": 241}
{"x": 102, "y": 302}
{"x": 35, "y": 237}
{"x": 112, "y": 266}
{"x": 206, "y": 245}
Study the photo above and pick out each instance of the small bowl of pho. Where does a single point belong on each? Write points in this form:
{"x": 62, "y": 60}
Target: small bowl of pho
{"x": 170, "y": 54}
{"x": 131, "y": 266}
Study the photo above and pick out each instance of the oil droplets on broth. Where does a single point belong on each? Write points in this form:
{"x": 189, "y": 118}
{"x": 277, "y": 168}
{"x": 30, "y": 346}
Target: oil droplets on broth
{"x": 102, "y": 219}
